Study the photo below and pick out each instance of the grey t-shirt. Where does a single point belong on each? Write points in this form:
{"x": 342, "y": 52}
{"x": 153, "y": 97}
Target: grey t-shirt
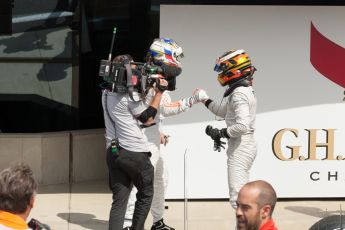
{"x": 119, "y": 117}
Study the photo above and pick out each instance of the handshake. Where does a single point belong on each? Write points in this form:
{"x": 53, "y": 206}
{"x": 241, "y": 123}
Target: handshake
{"x": 199, "y": 95}
{"x": 216, "y": 134}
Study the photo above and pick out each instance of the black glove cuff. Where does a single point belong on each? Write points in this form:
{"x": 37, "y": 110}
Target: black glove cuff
{"x": 224, "y": 133}
{"x": 161, "y": 88}
{"x": 207, "y": 102}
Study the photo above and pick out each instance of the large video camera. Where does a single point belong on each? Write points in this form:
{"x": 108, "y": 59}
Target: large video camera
{"x": 127, "y": 76}
{"x": 121, "y": 76}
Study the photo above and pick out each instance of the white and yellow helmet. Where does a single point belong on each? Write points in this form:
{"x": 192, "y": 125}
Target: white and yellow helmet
{"x": 167, "y": 51}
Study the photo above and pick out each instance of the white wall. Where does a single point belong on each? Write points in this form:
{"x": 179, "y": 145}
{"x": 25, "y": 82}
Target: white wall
{"x": 291, "y": 94}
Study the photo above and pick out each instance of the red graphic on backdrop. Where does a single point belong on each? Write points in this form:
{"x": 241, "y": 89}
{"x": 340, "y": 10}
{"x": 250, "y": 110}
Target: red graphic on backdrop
{"x": 327, "y": 57}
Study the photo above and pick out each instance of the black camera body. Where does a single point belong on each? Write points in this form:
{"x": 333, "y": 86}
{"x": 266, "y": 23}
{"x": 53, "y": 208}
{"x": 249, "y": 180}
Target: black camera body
{"x": 37, "y": 225}
{"x": 116, "y": 74}
{"x": 126, "y": 76}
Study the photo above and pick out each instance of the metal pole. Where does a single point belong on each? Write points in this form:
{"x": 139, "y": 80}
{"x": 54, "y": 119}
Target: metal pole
{"x": 112, "y": 44}
{"x": 341, "y": 218}
{"x": 185, "y": 191}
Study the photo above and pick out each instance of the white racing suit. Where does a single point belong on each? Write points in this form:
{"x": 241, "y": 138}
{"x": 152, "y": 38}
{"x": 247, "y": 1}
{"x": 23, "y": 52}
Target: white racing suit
{"x": 239, "y": 113}
{"x": 167, "y": 108}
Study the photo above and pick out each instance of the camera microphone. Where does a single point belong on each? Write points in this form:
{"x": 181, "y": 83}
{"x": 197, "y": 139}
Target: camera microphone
{"x": 170, "y": 71}
{"x": 153, "y": 69}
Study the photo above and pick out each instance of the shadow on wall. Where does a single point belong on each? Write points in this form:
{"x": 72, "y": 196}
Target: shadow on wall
{"x": 331, "y": 220}
{"x": 335, "y": 222}
{"x": 312, "y": 211}
{"x": 99, "y": 186}
{"x": 48, "y": 74}
{"x": 37, "y": 40}
{"x": 87, "y": 221}
{"x": 26, "y": 42}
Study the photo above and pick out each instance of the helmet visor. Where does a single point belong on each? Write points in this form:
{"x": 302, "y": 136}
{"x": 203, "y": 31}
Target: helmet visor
{"x": 178, "y": 57}
{"x": 229, "y": 60}
{"x": 225, "y": 65}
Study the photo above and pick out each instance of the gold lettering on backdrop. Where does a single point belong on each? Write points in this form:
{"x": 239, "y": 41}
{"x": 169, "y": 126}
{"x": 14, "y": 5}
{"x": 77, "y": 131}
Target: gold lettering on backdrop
{"x": 329, "y": 144}
{"x": 277, "y": 148}
{"x": 294, "y": 151}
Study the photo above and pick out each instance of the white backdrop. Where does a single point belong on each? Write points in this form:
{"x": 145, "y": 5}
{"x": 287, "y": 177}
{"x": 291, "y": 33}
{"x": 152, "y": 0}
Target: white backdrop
{"x": 291, "y": 93}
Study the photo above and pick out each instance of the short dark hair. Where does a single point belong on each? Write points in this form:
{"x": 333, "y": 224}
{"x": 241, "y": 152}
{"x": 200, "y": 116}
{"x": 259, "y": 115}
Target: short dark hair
{"x": 122, "y": 58}
{"x": 17, "y": 187}
{"x": 267, "y": 194}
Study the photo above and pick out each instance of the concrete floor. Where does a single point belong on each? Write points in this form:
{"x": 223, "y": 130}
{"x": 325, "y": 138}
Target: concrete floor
{"x": 86, "y": 206}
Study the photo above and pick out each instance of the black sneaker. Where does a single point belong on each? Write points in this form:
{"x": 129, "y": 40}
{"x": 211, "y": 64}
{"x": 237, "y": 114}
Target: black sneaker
{"x": 160, "y": 225}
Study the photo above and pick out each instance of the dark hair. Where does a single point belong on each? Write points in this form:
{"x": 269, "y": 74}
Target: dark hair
{"x": 122, "y": 57}
{"x": 148, "y": 58}
{"x": 267, "y": 194}
{"x": 17, "y": 187}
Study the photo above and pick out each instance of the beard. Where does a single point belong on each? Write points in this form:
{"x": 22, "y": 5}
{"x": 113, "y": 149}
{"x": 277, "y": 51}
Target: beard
{"x": 246, "y": 224}
{"x": 254, "y": 226}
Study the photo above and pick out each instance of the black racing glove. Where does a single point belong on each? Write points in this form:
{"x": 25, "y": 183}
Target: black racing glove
{"x": 216, "y": 134}
{"x": 224, "y": 133}
{"x": 161, "y": 87}
{"x": 218, "y": 144}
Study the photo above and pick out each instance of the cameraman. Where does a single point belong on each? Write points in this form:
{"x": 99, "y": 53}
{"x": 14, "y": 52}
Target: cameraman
{"x": 17, "y": 195}
{"x": 128, "y": 154}
{"x": 164, "y": 53}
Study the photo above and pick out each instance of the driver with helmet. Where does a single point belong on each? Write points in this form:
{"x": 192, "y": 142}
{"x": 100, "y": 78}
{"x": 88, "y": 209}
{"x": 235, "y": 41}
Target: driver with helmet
{"x": 165, "y": 53}
{"x": 235, "y": 70}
